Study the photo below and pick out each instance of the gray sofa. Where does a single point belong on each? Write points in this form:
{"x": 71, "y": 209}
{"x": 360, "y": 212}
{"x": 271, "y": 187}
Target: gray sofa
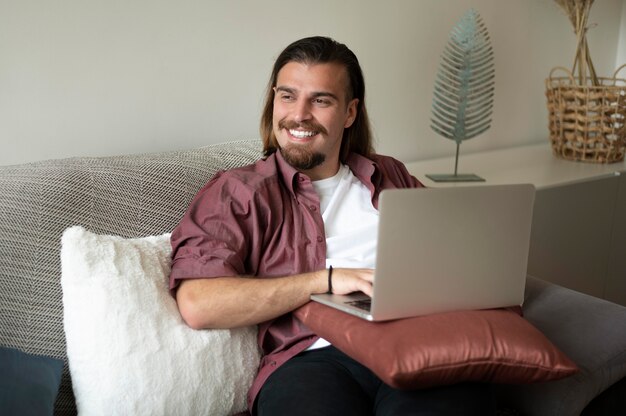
{"x": 139, "y": 195}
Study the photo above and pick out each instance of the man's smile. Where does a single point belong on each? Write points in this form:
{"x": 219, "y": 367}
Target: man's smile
{"x": 302, "y": 134}
{"x": 301, "y": 131}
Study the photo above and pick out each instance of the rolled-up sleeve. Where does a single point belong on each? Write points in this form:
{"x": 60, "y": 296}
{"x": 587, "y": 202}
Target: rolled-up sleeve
{"x": 211, "y": 239}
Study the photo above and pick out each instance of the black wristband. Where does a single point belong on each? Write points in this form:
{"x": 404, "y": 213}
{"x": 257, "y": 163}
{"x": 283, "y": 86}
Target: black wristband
{"x": 330, "y": 279}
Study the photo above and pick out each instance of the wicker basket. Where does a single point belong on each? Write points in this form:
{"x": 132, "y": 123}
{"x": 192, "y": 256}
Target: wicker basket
{"x": 587, "y": 122}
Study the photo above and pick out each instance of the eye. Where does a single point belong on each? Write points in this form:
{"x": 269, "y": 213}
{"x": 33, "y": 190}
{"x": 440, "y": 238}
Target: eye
{"x": 286, "y": 97}
{"x": 322, "y": 102}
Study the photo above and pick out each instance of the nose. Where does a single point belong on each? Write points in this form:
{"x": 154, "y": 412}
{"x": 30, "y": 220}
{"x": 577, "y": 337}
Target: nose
{"x": 302, "y": 110}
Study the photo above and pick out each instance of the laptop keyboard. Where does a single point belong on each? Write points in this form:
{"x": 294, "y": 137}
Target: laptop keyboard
{"x": 365, "y": 304}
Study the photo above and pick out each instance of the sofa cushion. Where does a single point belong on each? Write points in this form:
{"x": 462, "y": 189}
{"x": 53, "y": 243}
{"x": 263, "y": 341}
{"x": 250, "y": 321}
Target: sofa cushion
{"x": 591, "y": 331}
{"x": 496, "y": 345}
{"x": 128, "y": 348}
{"x": 28, "y": 383}
{"x": 130, "y": 195}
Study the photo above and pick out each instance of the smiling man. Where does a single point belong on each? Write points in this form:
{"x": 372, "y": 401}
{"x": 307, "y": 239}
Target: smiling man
{"x": 312, "y": 107}
{"x": 258, "y": 241}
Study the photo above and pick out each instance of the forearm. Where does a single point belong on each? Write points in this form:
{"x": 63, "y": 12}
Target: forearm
{"x": 229, "y": 302}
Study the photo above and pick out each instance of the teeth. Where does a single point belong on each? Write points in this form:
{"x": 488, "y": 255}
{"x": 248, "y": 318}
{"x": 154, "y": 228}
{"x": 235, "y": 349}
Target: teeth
{"x": 302, "y": 134}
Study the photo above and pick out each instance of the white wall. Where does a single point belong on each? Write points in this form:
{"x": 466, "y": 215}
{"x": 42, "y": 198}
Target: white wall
{"x": 621, "y": 45}
{"x": 88, "y": 77}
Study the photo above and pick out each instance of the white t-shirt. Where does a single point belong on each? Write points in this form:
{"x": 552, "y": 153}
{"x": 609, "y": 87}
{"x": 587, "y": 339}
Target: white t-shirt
{"x": 350, "y": 224}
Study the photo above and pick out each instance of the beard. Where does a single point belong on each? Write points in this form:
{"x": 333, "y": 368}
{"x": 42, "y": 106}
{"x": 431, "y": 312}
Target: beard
{"x": 301, "y": 156}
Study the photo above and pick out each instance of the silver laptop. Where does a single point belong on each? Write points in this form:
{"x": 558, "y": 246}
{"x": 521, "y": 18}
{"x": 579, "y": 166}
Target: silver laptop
{"x": 446, "y": 249}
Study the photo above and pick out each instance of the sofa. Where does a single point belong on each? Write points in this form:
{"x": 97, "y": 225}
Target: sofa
{"x": 134, "y": 196}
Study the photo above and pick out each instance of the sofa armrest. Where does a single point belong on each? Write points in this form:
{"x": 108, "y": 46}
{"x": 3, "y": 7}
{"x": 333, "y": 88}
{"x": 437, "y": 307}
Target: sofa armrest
{"x": 590, "y": 331}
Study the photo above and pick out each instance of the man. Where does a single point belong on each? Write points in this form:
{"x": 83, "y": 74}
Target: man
{"x": 257, "y": 241}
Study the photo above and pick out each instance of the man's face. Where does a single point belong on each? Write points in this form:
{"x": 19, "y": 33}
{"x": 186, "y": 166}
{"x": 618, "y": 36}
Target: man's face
{"x": 311, "y": 110}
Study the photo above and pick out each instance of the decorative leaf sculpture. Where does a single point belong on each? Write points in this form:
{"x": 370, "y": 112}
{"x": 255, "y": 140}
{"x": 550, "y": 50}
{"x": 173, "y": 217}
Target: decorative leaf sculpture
{"x": 464, "y": 87}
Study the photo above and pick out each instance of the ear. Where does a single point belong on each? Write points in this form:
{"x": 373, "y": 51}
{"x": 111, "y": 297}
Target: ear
{"x": 351, "y": 112}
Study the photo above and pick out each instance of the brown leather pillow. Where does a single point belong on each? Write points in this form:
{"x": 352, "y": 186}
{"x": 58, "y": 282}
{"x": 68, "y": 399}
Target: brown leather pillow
{"x": 495, "y": 345}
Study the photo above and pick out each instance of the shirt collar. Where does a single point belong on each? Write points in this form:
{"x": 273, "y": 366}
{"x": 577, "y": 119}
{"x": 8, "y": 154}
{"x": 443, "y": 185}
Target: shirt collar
{"x": 366, "y": 170}
{"x": 363, "y": 168}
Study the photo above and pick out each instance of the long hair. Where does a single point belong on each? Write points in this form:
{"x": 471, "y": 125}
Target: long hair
{"x": 317, "y": 50}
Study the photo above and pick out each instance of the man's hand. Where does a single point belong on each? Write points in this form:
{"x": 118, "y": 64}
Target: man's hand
{"x": 346, "y": 281}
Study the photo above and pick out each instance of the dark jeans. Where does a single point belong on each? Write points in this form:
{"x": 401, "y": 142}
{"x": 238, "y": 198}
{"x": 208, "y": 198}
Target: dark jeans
{"x": 327, "y": 382}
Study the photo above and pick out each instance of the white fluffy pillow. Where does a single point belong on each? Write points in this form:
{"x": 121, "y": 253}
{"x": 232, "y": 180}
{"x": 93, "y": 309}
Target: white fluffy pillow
{"x": 129, "y": 351}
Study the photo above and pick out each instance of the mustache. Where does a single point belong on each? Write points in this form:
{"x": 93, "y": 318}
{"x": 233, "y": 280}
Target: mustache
{"x": 305, "y": 125}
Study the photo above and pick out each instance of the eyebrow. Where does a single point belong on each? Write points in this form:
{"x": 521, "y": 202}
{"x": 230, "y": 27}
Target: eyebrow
{"x": 314, "y": 95}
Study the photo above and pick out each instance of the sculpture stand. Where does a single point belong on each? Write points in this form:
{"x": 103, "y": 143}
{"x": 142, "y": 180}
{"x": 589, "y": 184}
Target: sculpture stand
{"x": 455, "y": 177}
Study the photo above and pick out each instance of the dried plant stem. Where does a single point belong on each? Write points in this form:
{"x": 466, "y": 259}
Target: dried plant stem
{"x": 578, "y": 13}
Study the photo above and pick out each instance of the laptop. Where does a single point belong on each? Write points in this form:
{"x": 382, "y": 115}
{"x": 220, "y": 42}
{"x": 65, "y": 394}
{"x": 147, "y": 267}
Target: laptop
{"x": 446, "y": 249}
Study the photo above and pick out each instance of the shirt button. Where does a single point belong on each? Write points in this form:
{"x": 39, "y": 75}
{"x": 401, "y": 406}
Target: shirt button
{"x": 320, "y": 239}
{"x": 313, "y": 208}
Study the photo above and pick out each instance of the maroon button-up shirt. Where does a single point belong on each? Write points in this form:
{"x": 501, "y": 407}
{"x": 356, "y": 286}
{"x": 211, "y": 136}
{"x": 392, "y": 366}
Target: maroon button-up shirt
{"x": 264, "y": 220}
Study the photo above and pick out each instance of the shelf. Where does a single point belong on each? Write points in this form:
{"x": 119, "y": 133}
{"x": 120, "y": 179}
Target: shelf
{"x": 526, "y": 164}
